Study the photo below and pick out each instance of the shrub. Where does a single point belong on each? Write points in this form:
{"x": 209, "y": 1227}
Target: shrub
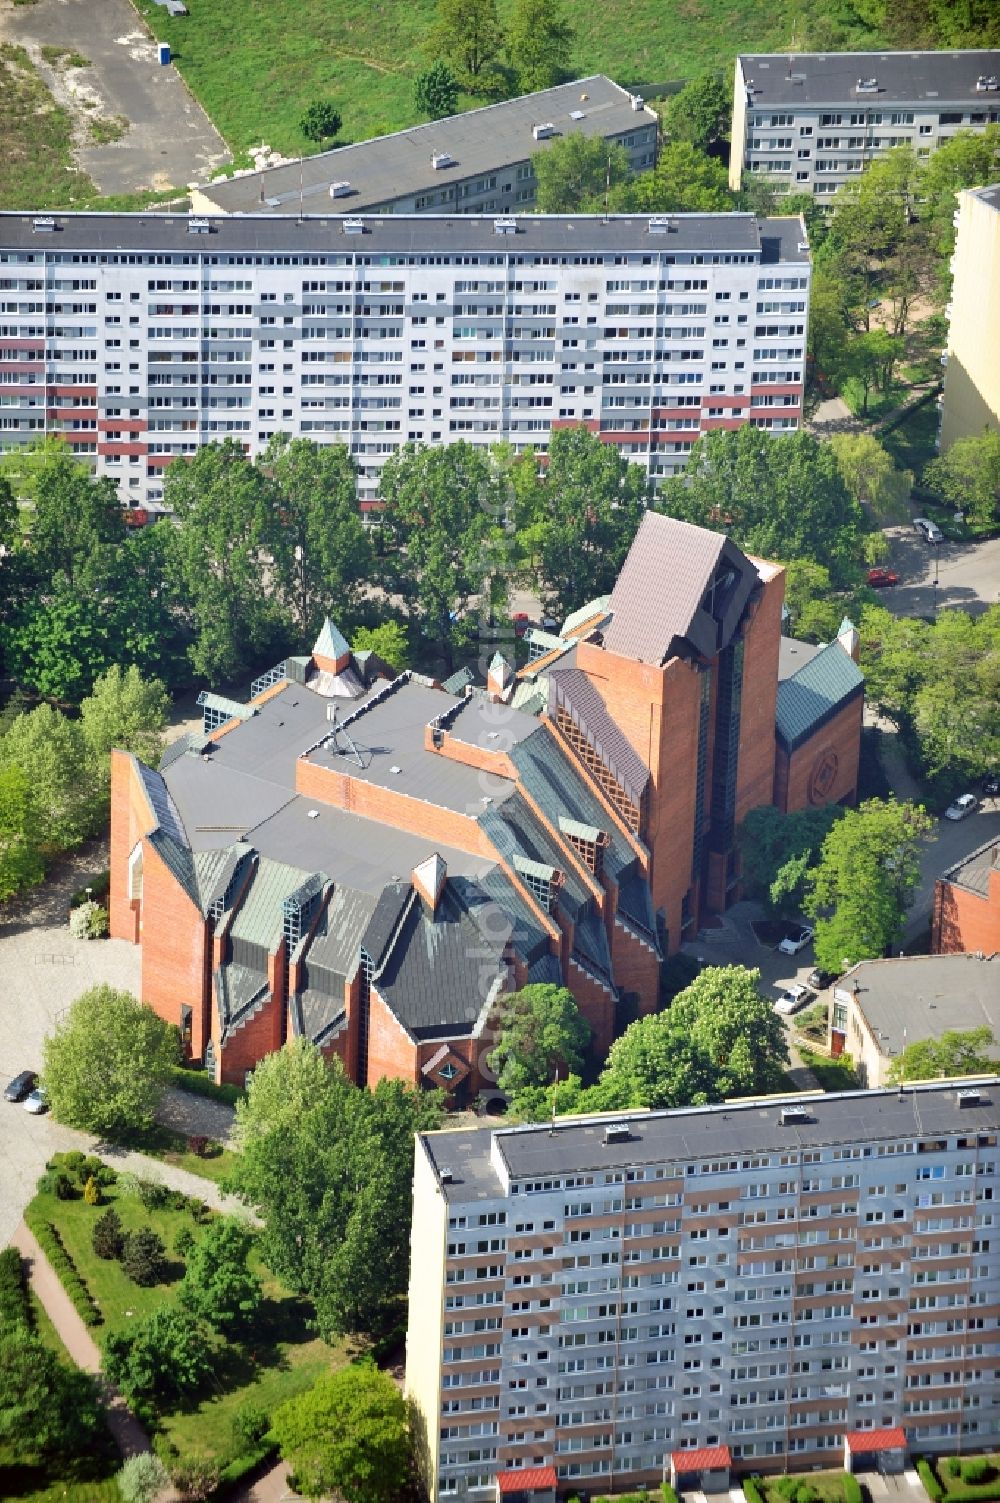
{"x": 197, "y": 1144}
{"x": 751, "y": 1491}
{"x": 805, "y": 1494}
{"x": 786, "y": 1487}
{"x": 199, "y": 1083}
{"x": 977, "y": 1469}
{"x": 932, "y": 1486}
{"x": 128, "y": 1185}
{"x": 667, "y": 1493}
{"x": 88, "y": 921}
{"x": 92, "y": 1192}
{"x": 250, "y": 1424}
{"x": 94, "y": 1168}
{"x": 141, "y": 1478}
{"x": 52, "y": 1246}
{"x": 852, "y": 1489}
{"x": 321, "y": 121}
{"x": 203, "y": 1214}
{"x": 183, "y": 1242}
{"x": 107, "y": 1237}
{"x": 195, "y": 1479}
{"x": 144, "y": 1256}
{"x": 63, "y": 1187}
{"x": 72, "y": 1162}
{"x": 153, "y": 1195}
{"x": 14, "y": 1307}
{"x": 954, "y": 1465}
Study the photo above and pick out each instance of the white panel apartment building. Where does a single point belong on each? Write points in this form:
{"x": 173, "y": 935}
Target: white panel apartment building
{"x": 766, "y": 1276}
{"x": 139, "y": 338}
{"x": 812, "y": 121}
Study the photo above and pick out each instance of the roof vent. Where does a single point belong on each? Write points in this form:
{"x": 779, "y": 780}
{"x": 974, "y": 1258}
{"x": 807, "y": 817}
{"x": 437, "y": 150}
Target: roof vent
{"x": 867, "y": 85}
{"x": 544, "y": 131}
{"x": 441, "y": 159}
{"x": 803, "y": 247}
{"x": 617, "y": 1132}
{"x": 446, "y": 1176}
{"x": 505, "y": 226}
{"x": 354, "y": 226}
{"x": 637, "y": 102}
{"x": 340, "y": 190}
{"x": 659, "y": 224}
{"x": 43, "y": 222}
{"x": 987, "y": 85}
{"x": 395, "y": 770}
{"x": 578, "y": 114}
{"x": 971, "y": 1096}
{"x": 792, "y": 1115}
{"x": 313, "y": 814}
{"x": 198, "y": 227}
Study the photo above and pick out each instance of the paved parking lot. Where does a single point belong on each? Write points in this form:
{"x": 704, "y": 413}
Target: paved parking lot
{"x": 44, "y": 968}
{"x": 968, "y": 575}
{"x": 170, "y": 141}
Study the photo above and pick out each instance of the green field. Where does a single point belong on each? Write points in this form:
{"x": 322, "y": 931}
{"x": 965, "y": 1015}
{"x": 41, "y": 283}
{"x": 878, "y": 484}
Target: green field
{"x": 257, "y": 64}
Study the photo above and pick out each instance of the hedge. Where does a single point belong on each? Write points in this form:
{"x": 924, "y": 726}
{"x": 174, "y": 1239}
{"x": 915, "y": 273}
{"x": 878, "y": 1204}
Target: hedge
{"x": 932, "y": 1486}
{"x": 852, "y": 1489}
{"x": 751, "y": 1491}
{"x": 667, "y": 1493}
{"x": 52, "y": 1246}
{"x": 241, "y": 1468}
{"x": 15, "y": 1310}
{"x": 200, "y": 1084}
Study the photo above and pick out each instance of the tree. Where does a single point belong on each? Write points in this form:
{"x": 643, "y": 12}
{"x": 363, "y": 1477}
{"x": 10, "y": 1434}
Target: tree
{"x": 574, "y": 173}
{"x": 869, "y": 865}
{"x": 701, "y": 112}
{"x": 107, "y": 1237}
{"x": 779, "y": 497}
{"x": 539, "y": 44}
{"x": 348, "y": 1435}
{"x": 218, "y": 1286}
{"x": 967, "y": 160}
{"x": 167, "y": 1355}
{"x": 828, "y": 326}
{"x": 106, "y": 1064}
{"x": 468, "y": 33}
{"x": 144, "y": 1257}
{"x": 953, "y": 1054}
{"x": 541, "y": 1033}
{"x": 21, "y": 863}
{"x": 435, "y": 92}
{"x": 126, "y": 711}
{"x": 387, "y": 641}
{"x": 815, "y": 613}
{"x": 321, "y": 121}
{"x": 142, "y": 1478}
{"x": 321, "y": 552}
{"x": 48, "y": 1409}
{"x": 718, "y": 1038}
{"x": 968, "y": 476}
{"x": 443, "y": 516}
{"x": 330, "y": 1172}
{"x": 777, "y": 850}
{"x": 872, "y": 359}
{"x": 226, "y": 510}
{"x": 76, "y": 516}
{"x": 581, "y": 515}
{"x": 50, "y": 750}
{"x": 684, "y": 181}
{"x": 871, "y": 477}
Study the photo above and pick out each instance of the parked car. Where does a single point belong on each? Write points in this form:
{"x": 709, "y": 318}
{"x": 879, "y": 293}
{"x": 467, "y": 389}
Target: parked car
{"x": 37, "y": 1102}
{"x": 821, "y": 979}
{"x": 881, "y": 579}
{"x": 991, "y": 785}
{"x": 20, "y": 1086}
{"x": 961, "y": 807}
{"x": 929, "y": 531}
{"x": 796, "y": 940}
{"x": 793, "y": 999}
{"x": 521, "y": 622}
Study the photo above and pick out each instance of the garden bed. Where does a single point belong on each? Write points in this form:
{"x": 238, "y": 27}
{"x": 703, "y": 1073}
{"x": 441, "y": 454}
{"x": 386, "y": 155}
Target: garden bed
{"x": 832, "y": 1074}
{"x": 961, "y": 1479}
{"x": 805, "y": 1487}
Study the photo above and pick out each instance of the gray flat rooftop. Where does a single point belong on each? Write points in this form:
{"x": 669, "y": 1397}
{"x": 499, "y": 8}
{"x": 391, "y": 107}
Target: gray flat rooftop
{"x": 399, "y": 235}
{"x": 973, "y": 871}
{"x": 918, "y": 997}
{"x": 494, "y": 727}
{"x": 793, "y": 655}
{"x": 727, "y": 1131}
{"x": 989, "y": 195}
{"x": 390, "y": 735}
{"x": 931, "y": 78}
{"x": 398, "y": 165}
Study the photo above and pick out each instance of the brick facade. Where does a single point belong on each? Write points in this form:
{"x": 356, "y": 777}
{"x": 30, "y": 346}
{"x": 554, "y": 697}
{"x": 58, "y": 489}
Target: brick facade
{"x": 824, "y": 769}
{"x": 966, "y": 920}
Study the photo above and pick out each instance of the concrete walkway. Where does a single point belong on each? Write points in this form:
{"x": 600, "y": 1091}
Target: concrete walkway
{"x": 140, "y": 1164}
{"x": 272, "y": 1487}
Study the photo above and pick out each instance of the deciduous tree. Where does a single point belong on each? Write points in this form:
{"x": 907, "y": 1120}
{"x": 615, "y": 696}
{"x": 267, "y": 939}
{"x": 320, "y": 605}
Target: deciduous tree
{"x": 166, "y": 1355}
{"x": 51, "y": 752}
{"x": 574, "y": 173}
{"x": 21, "y": 863}
{"x": 871, "y": 477}
{"x": 435, "y": 92}
{"x": 105, "y": 1065}
{"x": 968, "y": 476}
{"x": 123, "y": 710}
{"x": 348, "y": 1435}
{"x": 701, "y": 112}
{"x": 387, "y": 641}
{"x": 684, "y": 181}
{"x": 954, "y": 1053}
{"x": 539, "y": 44}
{"x": 468, "y": 33}
{"x": 541, "y": 1033}
{"x": 48, "y": 1409}
{"x": 218, "y": 1286}
{"x": 778, "y": 849}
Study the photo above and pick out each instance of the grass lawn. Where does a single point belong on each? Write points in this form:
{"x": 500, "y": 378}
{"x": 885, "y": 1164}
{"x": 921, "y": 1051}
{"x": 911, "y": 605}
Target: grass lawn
{"x": 911, "y": 444}
{"x": 832, "y": 1074}
{"x": 171, "y": 1147}
{"x": 966, "y": 1492}
{"x": 829, "y": 1486}
{"x": 363, "y": 57}
{"x": 280, "y": 1358}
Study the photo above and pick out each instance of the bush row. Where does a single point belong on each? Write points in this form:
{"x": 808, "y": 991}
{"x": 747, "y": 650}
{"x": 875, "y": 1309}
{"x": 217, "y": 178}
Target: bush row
{"x": 751, "y": 1491}
{"x": 14, "y": 1307}
{"x": 52, "y": 1245}
{"x": 852, "y": 1489}
{"x": 201, "y": 1084}
{"x": 932, "y": 1486}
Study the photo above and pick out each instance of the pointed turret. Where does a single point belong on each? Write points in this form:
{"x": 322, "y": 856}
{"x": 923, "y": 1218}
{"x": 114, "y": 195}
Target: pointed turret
{"x": 429, "y": 879}
{"x": 331, "y": 653}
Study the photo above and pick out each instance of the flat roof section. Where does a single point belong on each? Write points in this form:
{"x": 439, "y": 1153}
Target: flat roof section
{"x": 816, "y": 78}
{"x": 916, "y": 997}
{"x": 398, "y": 165}
{"x": 973, "y": 871}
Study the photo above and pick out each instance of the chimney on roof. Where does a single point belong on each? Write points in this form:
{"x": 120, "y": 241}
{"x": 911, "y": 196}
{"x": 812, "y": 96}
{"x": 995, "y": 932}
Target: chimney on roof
{"x": 499, "y": 677}
{"x": 849, "y": 640}
{"x": 331, "y": 653}
{"x": 429, "y": 880}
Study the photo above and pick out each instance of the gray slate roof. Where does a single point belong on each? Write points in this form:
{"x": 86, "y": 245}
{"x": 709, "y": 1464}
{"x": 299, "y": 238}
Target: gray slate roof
{"x": 815, "y": 693}
{"x": 259, "y": 916}
{"x": 572, "y": 690}
{"x": 335, "y": 946}
{"x": 973, "y": 871}
{"x": 658, "y": 602}
{"x": 924, "y": 996}
{"x": 936, "y": 79}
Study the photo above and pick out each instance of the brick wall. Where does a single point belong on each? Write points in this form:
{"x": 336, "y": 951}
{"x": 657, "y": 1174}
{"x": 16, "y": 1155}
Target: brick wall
{"x": 392, "y": 1054}
{"x": 176, "y": 950}
{"x": 329, "y": 786}
{"x": 755, "y": 777}
{"x": 824, "y": 769}
{"x": 131, "y": 819}
{"x": 963, "y": 920}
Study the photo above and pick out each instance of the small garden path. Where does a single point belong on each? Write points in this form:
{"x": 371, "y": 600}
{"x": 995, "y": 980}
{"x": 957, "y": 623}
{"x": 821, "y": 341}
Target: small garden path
{"x": 126, "y": 1161}
{"x": 129, "y": 1436}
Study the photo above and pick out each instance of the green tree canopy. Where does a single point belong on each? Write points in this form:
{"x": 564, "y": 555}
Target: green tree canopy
{"x": 218, "y": 1286}
{"x": 573, "y": 173}
{"x": 541, "y": 1032}
{"x": 167, "y": 1355}
{"x": 332, "y": 1183}
{"x": 968, "y": 476}
{"x": 778, "y": 497}
{"x": 868, "y": 471}
{"x": 777, "y": 850}
{"x": 858, "y": 892}
{"x": 348, "y": 1435}
{"x": 48, "y": 1410}
{"x": 814, "y": 610}
{"x": 435, "y": 92}
{"x": 539, "y": 44}
{"x": 701, "y": 112}
{"x": 126, "y": 711}
{"x": 105, "y": 1065}
{"x": 76, "y": 516}
{"x": 469, "y": 35}
{"x": 321, "y": 121}
{"x": 387, "y": 641}
{"x": 51, "y": 751}
{"x": 684, "y": 181}
{"x": 21, "y": 862}
{"x": 954, "y": 1054}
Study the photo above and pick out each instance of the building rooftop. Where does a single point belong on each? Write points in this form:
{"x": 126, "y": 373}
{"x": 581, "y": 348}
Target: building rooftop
{"x": 934, "y": 78}
{"x": 398, "y": 234}
{"x": 814, "y": 692}
{"x": 400, "y": 165}
{"x": 989, "y": 195}
{"x": 973, "y": 871}
{"x": 573, "y": 1146}
{"x": 793, "y": 655}
{"x": 916, "y": 997}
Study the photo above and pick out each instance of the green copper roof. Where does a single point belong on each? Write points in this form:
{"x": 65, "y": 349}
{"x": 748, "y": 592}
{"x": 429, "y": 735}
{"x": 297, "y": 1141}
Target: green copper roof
{"x": 815, "y": 693}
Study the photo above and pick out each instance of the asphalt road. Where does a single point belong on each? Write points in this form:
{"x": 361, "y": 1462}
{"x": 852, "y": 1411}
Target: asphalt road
{"x": 968, "y": 575}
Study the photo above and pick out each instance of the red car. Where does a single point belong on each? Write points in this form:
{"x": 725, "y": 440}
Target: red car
{"x": 879, "y": 579}
{"x": 521, "y": 622}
